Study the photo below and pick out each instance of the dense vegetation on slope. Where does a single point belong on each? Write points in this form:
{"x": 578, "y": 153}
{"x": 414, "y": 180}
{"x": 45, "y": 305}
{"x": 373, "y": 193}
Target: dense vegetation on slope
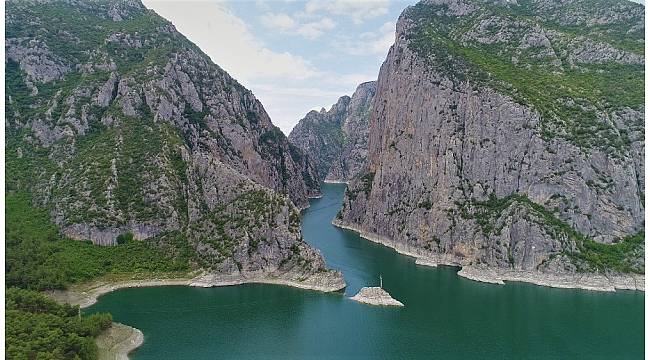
{"x": 118, "y": 124}
{"x": 526, "y": 48}
{"x": 111, "y": 112}
{"x": 38, "y": 257}
{"x": 39, "y": 328}
{"x": 122, "y": 132}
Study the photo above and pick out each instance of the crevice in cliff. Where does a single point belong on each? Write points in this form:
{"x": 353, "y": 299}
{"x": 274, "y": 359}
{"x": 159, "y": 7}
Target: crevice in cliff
{"x": 463, "y": 134}
{"x": 521, "y": 162}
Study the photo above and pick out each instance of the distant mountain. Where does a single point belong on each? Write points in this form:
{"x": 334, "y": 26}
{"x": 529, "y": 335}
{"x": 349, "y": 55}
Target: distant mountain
{"x": 337, "y": 140}
{"x": 510, "y": 135}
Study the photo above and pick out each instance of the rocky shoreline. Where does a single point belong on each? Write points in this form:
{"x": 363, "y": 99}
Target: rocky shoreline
{"x": 375, "y": 296}
{"x": 420, "y": 258}
{"x": 328, "y": 181}
{"x": 593, "y": 282}
{"x": 118, "y": 341}
{"x": 328, "y": 281}
{"x": 86, "y": 295}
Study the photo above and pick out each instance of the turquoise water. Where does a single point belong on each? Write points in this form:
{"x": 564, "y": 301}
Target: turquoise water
{"x": 445, "y": 316}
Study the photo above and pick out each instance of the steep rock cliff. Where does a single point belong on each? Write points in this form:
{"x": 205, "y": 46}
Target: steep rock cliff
{"x": 117, "y": 124}
{"x": 509, "y": 135}
{"x": 337, "y": 140}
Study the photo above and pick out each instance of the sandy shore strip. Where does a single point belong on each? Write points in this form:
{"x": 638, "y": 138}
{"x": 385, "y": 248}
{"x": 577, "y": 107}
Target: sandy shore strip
{"x": 86, "y": 294}
{"x": 375, "y": 296}
{"x": 118, "y": 341}
{"x": 594, "y": 282}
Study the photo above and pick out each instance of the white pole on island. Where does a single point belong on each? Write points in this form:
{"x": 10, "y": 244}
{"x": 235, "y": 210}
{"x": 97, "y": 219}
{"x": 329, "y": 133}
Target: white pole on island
{"x": 381, "y": 282}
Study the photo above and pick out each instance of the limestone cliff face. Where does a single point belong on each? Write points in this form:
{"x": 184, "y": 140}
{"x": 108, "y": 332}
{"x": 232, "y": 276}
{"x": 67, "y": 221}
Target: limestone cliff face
{"x": 499, "y": 138}
{"x": 337, "y": 140}
{"x": 117, "y": 123}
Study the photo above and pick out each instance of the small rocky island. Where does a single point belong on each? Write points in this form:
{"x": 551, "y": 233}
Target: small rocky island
{"x": 375, "y": 296}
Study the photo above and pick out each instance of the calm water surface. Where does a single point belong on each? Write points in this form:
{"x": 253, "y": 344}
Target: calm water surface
{"x": 445, "y": 317}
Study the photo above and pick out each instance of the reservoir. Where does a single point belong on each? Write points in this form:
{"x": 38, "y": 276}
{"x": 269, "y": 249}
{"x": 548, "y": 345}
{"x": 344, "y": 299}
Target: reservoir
{"x": 445, "y": 316}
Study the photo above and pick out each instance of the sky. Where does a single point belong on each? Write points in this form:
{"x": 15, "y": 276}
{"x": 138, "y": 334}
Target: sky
{"x": 295, "y": 56}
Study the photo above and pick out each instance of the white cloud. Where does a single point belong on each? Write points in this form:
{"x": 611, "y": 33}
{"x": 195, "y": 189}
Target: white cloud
{"x": 351, "y": 81}
{"x": 313, "y": 30}
{"x": 357, "y": 10}
{"x": 288, "y": 104}
{"x": 279, "y": 21}
{"x": 369, "y": 43}
{"x": 288, "y": 85}
{"x": 229, "y": 42}
{"x": 262, "y": 5}
{"x": 286, "y": 24}
{"x": 297, "y": 91}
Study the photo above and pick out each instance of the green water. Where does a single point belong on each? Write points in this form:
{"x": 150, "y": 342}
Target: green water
{"x": 446, "y": 316}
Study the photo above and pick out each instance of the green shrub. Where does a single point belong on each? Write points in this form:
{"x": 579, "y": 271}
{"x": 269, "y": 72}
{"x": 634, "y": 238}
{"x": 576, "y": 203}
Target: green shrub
{"x": 590, "y": 255}
{"x": 124, "y": 238}
{"x": 38, "y": 328}
{"x": 38, "y": 257}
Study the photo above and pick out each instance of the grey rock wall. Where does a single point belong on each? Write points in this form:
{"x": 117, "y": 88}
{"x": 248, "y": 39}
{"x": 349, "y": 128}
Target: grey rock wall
{"x": 337, "y": 140}
{"x": 462, "y": 169}
{"x": 121, "y": 125}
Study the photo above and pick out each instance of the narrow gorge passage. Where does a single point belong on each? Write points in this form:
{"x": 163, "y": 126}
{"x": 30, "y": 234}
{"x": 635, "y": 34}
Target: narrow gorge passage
{"x": 442, "y": 310}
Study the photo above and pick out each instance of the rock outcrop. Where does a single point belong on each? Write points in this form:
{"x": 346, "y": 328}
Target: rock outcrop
{"x": 509, "y": 136}
{"x": 118, "y": 341}
{"x": 117, "y": 124}
{"x": 375, "y": 296}
{"x": 337, "y": 140}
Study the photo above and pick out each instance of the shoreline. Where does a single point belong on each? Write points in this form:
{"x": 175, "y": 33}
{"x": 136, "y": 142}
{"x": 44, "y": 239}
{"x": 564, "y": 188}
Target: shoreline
{"x": 335, "y": 182}
{"x": 87, "y": 294}
{"x": 330, "y": 281}
{"x": 118, "y": 341}
{"x": 308, "y": 205}
{"x": 591, "y": 282}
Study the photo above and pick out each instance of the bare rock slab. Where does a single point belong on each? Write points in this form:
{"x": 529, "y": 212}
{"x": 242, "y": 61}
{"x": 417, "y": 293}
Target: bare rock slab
{"x": 375, "y": 296}
{"x": 118, "y": 341}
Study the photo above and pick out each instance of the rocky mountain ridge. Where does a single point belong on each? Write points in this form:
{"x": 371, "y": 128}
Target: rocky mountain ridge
{"x": 474, "y": 160}
{"x": 337, "y": 140}
{"x": 119, "y": 126}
